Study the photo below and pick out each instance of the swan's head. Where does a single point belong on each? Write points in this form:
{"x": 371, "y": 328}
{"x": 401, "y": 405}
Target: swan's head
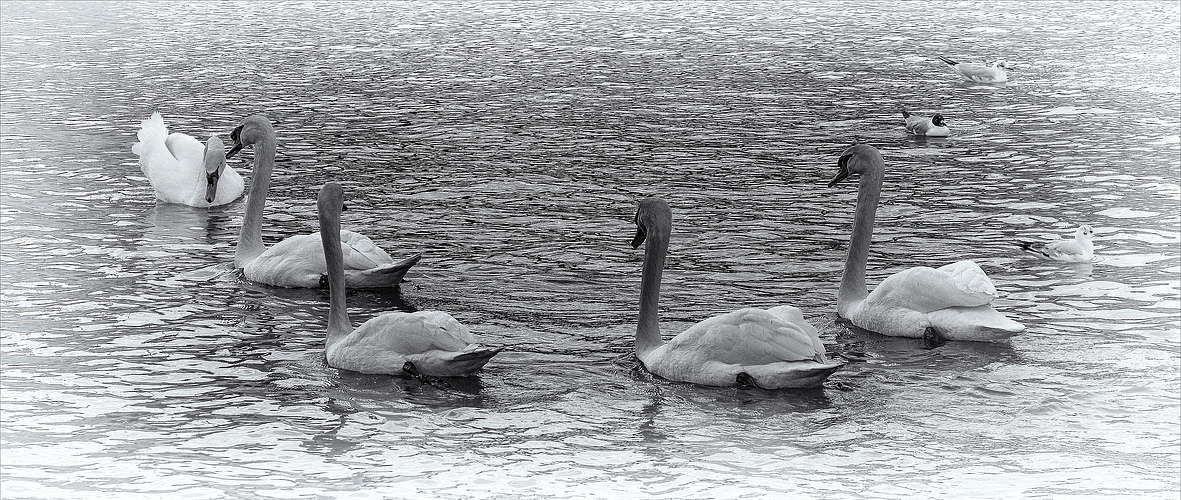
{"x": 937, "y": 120}
{"x": 652, "y": 218}
{"x": 859, "y": 159}
{"x": 1084, "y": 232}
{"x": 252, "y": 129}
{"x": 215, "y": 164}
{"x": 1001, "y": 63}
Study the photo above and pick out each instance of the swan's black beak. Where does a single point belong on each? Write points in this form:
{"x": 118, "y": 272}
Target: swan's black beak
{"x": 211, "y": 190}
{"x": 639, "y": 238}
{"x": 236, "y": 136}
{"x": 215, "y": 164}
{"x": 234, "y": 150}
{"x": 842, "y": 170}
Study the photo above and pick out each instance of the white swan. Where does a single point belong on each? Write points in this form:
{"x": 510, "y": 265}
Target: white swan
{"x": 298, "y": 261}
{"x": 980, "y": 72}
{"x": 182, "y": 170}
{"x": 1080, "y": 249}
{"x": 429, "y": 343}
{"x": 952, "y": 302}
{"x": 929, "y": 127}
{"x": 771, "y": 349}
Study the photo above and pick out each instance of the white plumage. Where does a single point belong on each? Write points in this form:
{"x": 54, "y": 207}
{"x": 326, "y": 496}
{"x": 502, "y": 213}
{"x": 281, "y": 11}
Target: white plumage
{"x": 1079, "y": 249}
{"x": 769, "y": 348}
{"x": 429, "y": 343}
{"x": 952, "y": 302}
{"x": 981, "y": 73}
{"x": 182, "y": 170}
{"x": 298, "y": 261}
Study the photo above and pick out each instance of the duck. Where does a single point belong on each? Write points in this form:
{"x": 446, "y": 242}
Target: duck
{"x": 765, "y": 348}
{"x": 981, "y": 73}
{"x": 952, "y": 302}
{"x": 420, "y": 343}
{"x": 298, "y": 261}
{"x": 184, "y": 171}
{"x": 1080, "y": 249}
{"x": 929, "y": 127}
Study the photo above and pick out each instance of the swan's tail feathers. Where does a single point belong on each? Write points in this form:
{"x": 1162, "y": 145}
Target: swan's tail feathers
{"x": 796, "y": 375}
{"x": 387, "y": 276}
{"x": 471, "y": 360}
{"x": 979, "y": 323}
{"x": 948, "y": 61}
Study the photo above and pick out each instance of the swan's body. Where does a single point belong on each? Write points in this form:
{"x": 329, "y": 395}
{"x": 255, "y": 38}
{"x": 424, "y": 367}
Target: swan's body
{"x": 298, "y": 261}
{"x": 952, "y": 302}
{"x": 929, "y": 127}
{"x": 425, "y": 342}
{"x": 184, "y": 171}
{"x": 981, "y": 73}
{"x": 769, "y": 348}
{"x": 1080, "y": 249}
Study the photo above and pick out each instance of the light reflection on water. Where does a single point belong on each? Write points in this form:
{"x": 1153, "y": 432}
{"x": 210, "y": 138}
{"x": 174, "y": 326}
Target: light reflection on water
{"x": 509, "y": 146}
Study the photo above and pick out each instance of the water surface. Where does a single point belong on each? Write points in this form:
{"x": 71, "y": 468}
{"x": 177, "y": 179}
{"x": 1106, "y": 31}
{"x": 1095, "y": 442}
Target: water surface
{"x": 508, "y": 143}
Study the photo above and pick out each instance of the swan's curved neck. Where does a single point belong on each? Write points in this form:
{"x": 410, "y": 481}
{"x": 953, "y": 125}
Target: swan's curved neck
{"x": 853, "y": 287}
{"x": 648, "y": 329}
{"x": 250, "y": 243}
{"x": 338, "y": 314}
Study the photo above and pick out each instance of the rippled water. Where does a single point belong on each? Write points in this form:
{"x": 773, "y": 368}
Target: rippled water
{"x": 509, "y": 143}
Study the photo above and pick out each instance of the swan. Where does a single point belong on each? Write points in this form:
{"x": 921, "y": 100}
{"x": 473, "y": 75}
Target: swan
{"x": 952, "y": 302}
{"x": 430, "y": 343}
{"x": 182, "y": 170}
{"x": 767, "y": 348}
{"x": 981, "y": 73}
{"x": 1080, "y": 249}
{"x": 921, "y": 125}
{"x": 298, "y": 261}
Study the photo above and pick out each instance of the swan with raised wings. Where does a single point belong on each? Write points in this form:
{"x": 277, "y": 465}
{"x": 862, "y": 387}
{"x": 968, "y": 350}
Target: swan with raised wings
{"x": 428, "y": 343}
{"x": 953, "y": 302}
{"x": 980, "y": 73}
{"x": 182, "y": 170}
{"x": 929, "y": 127}
{"x": 1080, "y": 249}
{"x": 298, "y": 261}
{"x": 767, "y": 348}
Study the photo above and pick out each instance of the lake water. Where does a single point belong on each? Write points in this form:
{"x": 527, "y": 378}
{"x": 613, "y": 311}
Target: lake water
{"x": 509, "y": 143}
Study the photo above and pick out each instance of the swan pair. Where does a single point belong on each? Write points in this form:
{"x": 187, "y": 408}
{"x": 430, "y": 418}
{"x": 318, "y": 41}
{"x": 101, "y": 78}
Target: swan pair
{"x": 929, "y": 127}
{"x": 1080, "y": 249}
{"x": 182, "y": 170}
{"x": 777, "y": 348}
{"x": 980, "y": 73}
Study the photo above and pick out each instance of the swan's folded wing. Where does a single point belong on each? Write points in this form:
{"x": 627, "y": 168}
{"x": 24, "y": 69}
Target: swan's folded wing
{"x": 413, "y": 333}
{"x": 747, "y": 337}
{"x": 795, "y": 316}
{"x": 360, "y": 252}
{"x": 925, "y": 289}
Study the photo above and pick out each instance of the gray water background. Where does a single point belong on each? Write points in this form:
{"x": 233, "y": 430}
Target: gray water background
{"x": 508, "y": 143}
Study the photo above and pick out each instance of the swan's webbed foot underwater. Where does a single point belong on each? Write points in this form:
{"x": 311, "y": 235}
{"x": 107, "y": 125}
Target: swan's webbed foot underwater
{"x": 410, "y": 371}
{"x": 745, "y": 381}
{"x": 932, "y": 338}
